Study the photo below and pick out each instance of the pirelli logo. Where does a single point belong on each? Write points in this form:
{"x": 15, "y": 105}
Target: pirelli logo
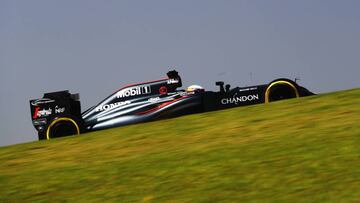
{"x": 134, "y": 91}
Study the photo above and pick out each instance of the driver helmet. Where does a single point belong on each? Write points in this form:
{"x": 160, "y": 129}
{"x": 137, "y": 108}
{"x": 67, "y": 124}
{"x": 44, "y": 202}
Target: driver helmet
{"x": 195, "y": 89}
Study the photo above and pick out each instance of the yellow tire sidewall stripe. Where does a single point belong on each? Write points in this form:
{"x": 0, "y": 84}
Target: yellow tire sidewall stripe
{"x": 58, "y": 120}
{"x": 281, "y": 82}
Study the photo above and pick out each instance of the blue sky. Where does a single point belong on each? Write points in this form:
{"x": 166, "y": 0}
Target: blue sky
{"x": 95, "y": 47}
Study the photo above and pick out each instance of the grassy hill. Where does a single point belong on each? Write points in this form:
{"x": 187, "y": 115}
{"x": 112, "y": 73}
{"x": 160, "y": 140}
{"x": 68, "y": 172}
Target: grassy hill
{"x": 300, "y": 150}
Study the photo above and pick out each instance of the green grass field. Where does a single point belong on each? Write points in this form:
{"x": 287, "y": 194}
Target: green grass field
{"x": 299, "y": 150}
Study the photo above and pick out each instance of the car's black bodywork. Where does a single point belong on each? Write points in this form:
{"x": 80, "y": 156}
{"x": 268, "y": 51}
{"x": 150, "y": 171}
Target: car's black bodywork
{"x": 58, "y": 113}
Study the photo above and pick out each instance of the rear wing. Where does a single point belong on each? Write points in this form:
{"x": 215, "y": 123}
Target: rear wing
{"x": 53, "y": 105}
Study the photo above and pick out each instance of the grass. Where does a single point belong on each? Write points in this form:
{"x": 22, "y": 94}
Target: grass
{"x": 300, "y": 150}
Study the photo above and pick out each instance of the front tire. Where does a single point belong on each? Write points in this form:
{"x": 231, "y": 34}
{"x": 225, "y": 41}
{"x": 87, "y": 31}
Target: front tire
{"x": 280, "y": 90}
{"x": 62, "y": 127}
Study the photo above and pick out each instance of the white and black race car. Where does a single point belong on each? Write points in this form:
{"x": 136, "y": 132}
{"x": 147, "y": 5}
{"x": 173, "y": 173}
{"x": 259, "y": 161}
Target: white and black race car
{"x": 59, "y": 114}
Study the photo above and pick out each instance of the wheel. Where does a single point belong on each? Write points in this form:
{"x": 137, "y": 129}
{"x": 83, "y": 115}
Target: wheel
{"x": 280, "y": 90}
{"x": 62, "y": 127}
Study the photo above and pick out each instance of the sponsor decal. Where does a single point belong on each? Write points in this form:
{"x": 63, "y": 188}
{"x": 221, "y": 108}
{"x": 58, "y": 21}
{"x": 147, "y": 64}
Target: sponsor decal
{"x": 36, "y": 112}
{"x": 41, "y": 121}
{"x": 163, "y": 90}
{"x": 248, "y": 89}
{"x": 41, "y": 101}
{"x": 182, "y": 93}
{"x": 59, "y": 109}
{"x": 41, "y": 113}
{"x": 133, "y": 91}
{"x": 236, "y": 100}
{"x": 111, "y": 106}
{"x": 172, "y": 81}
{"x": 156, "y": 99}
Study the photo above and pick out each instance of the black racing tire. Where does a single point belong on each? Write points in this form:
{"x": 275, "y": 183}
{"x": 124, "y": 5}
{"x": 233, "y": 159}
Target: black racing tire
{"x": 280, "y": 90}
{"x": 62, "y": 127}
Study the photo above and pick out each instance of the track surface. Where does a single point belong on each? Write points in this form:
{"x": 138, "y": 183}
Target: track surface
{"x": 300, "y": 150}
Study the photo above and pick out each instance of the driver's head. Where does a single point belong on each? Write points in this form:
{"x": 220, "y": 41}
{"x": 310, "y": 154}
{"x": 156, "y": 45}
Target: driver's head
{"x": 195, "y": 88}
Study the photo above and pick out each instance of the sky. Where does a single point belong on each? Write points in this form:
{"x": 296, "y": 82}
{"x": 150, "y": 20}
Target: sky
{"x": 95, "y": 47}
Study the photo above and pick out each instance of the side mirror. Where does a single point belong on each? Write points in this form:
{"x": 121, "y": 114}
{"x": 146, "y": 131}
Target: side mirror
{"x": 221, "y": 85}
{"x": 227, "y": 88}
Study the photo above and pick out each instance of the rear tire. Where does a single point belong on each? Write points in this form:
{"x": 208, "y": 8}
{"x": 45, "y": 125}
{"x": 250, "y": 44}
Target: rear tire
{"x": 62, "y": 127}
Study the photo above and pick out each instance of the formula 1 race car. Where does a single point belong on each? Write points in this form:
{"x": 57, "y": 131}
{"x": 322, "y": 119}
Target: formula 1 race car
{"x": 58, "y": 114}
